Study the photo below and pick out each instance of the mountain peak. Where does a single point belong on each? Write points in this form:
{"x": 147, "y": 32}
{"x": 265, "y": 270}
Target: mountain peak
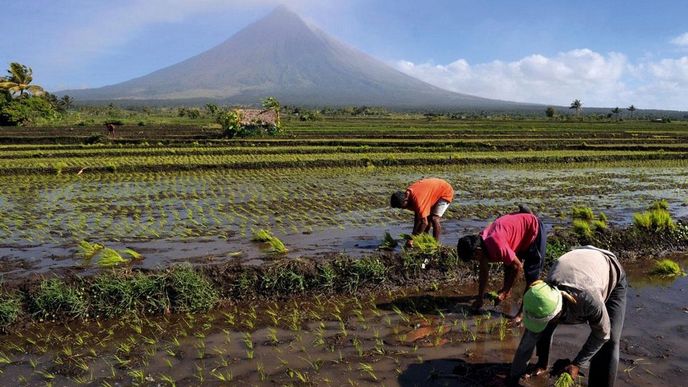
{"x": 280, "y": 55}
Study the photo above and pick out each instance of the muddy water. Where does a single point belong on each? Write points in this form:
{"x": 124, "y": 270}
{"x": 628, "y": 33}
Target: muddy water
{"x": 408, "y": 338}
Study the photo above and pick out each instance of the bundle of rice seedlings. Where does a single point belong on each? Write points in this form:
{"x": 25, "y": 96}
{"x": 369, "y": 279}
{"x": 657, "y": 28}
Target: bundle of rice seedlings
{"x": 565, "y": 380}
{"x": 131, "y": 254}
{"x": 110, "y": 257}
{"x": 425, "y": 243}
{"x": 388, "y": 243}
{"x": 667, "y": 268}
{"x": 261, "y": 235}
{"x": 87, "y": 249}
{"x": 276, "y": 246}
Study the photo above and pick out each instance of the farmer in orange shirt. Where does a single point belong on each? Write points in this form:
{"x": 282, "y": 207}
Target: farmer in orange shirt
{"x": 428, "y": 199}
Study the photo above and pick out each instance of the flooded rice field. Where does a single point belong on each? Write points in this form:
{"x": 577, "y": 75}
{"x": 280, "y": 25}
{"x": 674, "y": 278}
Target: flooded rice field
{"x": 420, "y": 336}
{"x": 210, "y": 216}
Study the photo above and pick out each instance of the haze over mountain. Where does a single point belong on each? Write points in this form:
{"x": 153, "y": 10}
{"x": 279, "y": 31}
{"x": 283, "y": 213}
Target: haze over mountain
{"x": 280, "y": 55}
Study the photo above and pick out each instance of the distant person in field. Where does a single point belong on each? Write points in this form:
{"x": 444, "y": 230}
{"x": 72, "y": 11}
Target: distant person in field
{"x": 584, "y": 286}
{"x": 428, "y": 199}
{"x": 111, "y": 129}
{"x": 518, "y": 240}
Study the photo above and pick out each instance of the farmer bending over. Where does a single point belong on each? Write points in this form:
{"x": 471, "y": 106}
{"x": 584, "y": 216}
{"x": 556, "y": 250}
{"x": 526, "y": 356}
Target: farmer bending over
{"x": 585, "y": 286}
{"x": 428, "y": 199}
{"x": 517, "y": 240}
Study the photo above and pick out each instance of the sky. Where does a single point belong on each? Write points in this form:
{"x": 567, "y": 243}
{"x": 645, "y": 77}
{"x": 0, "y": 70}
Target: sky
{"x": 605, "y": 53}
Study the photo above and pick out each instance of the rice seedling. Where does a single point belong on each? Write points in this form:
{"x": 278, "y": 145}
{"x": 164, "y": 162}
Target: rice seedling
{"x": 261, "y": 235}
{"x": 369, "y": 370}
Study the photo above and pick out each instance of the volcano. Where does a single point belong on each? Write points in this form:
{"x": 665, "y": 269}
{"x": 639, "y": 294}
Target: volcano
{"x": 282, "y": 56}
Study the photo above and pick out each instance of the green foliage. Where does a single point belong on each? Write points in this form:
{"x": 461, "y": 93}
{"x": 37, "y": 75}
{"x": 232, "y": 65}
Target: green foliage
{"x": 284, "y": 278}
{"x": 555, "y": 249}
{"x": 388, "y": 243}
{"x": 424, "y": 243}
{"x": 582, "y": 228}
{"x": 327, "y": 276}
{"x": 277, "y": 246}
{"x": 230, "y": 121}
{"x": 116, "y": 294}
{"x": 189, "y": 291}
{"x": 54, "y": 299}
{"x": 582, "y": 213}
{"x": 109, "y": 257}
{"x": 10, "y": 307}
{"x": 26, "y": 111}
{"x": 667, "y": 268}
{"x": 584, "y": 222}
{"x": 657, "y": 218}
{"x": 662, "y": 204}
{"x": 88, "y": 250}
{"x": 261, "y": 235}
{"x": 565, "y": 380}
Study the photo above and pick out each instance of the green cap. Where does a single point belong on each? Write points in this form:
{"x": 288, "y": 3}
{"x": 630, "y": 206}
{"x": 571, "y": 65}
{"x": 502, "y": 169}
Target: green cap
{"x": 541, "y": 304}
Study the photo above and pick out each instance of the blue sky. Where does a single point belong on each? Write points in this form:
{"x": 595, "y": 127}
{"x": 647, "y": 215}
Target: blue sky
{"x": 605, "y": 53}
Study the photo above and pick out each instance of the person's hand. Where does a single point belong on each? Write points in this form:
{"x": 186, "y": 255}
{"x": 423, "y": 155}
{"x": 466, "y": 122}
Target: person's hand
{"x": 478, "y": 303}
{"x": 503, "y": 295}
{"x": 572, "y": 369}
{"x": 536, "y": 372}
{"x": 409, "y": 243}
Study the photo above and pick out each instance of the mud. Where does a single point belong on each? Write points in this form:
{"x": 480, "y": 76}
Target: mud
{"x": 419, "y": 336}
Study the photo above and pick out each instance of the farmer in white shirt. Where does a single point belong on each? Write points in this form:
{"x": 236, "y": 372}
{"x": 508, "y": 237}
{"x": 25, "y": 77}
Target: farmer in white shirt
{"x": 587, "y": 285}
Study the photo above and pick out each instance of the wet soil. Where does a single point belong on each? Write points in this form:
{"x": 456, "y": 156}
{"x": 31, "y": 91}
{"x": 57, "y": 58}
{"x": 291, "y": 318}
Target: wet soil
{"x": 419, "y": 336}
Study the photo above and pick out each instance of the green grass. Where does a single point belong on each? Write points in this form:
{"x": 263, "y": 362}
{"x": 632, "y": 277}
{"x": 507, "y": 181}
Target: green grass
{"x": 667, "y": 268}
{"x": 189, "y": 291}
{"x": 10, "y": 308}
{"x": 54, "y": 299}
{"x": 261, "y": 235}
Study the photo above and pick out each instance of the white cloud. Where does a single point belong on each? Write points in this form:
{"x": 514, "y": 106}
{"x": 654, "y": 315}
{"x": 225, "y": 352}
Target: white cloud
{"x": 596, "y": 79}
{"x": 681, "y": 40}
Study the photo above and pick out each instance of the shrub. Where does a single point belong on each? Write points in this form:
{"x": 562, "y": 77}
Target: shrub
{"x": 27, "y": 110}
{"x": 10, "y": 307}
{"x": 667, "y": 268}
{"x": 188, "y": 290}
{"x": 54, "y": 299}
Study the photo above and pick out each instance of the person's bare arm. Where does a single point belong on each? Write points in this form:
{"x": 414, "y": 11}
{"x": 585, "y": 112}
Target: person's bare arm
{"x": 510, "y": 274}
{"x": 482, "y": 282}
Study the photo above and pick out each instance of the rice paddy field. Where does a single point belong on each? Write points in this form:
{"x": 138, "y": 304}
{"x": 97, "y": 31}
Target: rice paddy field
{"x": 175, "y": 194}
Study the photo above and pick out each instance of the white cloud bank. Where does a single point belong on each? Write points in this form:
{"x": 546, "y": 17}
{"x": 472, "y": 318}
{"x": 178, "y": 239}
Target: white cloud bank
{"x": 681, "y": 40}
{"x": 596, "y": 79}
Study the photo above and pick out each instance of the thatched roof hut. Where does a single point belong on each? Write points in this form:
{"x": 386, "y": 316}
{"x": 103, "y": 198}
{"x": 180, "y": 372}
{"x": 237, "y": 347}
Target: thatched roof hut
{"x": 260, "y": 117}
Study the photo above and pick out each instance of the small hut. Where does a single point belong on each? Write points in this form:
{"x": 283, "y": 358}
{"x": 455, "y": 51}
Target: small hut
{"x": 265, "y": 118}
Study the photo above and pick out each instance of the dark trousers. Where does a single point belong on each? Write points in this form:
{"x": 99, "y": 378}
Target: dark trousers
{"x": 534, "y": 257}
{"x": 604, "y": 364}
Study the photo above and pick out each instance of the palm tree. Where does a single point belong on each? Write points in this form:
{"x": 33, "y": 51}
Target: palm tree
{"x": 616, "y": 112}
{"x": 273, "y": 103}
{"x": 631, "y": 109}
{"x": 576, "y": 104}
{"x": 19, "y": 81}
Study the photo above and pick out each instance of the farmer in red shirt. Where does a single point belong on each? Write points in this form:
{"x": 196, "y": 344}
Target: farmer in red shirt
{"x": 428, "y": 199}
{"x": 517, "y": 240}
